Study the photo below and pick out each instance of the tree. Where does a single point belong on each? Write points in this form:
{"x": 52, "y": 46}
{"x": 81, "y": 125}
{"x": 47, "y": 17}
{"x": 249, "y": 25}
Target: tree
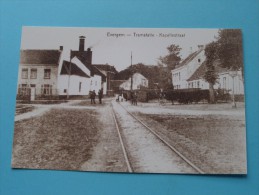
{"x": 166, "y": 64}
{"x": 230, "y": 50}
{"x": 172, "y": 58}
{"x": 148, "y": 71}
{"x": 210, "y": 74}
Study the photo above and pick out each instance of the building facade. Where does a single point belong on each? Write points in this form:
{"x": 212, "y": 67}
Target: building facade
{"x": 187, "y": 67}
{"x": 109, "y": 71}
{"x": 190, "y": 74}
{"x": 138, "y": 81}
{"x": 38, "y": 72}
{"x": 55, "y": 73}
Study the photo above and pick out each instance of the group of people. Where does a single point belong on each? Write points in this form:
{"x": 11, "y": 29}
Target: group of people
{"x": 119, "y": 98}
{"x": 93, "y": 95}
{"x": 134, "y": 98}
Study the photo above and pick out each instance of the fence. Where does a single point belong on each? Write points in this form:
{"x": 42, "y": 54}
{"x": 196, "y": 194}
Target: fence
{"x": 186, "y": 96}
{"x": 33, "y": 93}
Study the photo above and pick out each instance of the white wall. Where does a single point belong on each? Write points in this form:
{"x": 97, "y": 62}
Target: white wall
{"x": 181, "y": 74}
{"x": 138, "y": 80}
{"x": 195, "y": 63}
{"x": 74, "y": 83}
{"x": 225, "y": 81}
{"x": 95, "y": 83}
{"x": 104, "y": 86}
{"x": 179, "y": 77}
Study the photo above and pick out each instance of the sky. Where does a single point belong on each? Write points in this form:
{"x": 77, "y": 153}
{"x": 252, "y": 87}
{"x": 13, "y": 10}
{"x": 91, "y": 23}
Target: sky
{"x": 115, "y": 45}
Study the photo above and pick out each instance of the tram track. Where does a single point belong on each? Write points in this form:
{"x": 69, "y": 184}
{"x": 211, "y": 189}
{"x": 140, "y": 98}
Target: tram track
{"x": 129, "y": 167}
{"x": 158, "y": 137}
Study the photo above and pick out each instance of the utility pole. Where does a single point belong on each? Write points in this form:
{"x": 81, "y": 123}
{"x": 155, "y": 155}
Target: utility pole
{"x": 131, "y": 80}
{"x": 69, "y": 73}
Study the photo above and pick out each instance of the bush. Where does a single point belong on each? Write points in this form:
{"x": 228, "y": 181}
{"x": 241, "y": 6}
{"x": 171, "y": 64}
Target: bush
{"x": 186, "y": 96}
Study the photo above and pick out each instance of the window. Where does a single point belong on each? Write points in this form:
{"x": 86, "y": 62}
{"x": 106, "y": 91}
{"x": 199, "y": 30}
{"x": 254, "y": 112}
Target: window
{"x": 46, "y": 89}
{"x": 224, "y": 82}
{"x": 80, "y": 86}
{"x": 198, "y": 84}
{"x": 179, "y": 76}
{"x": 143, "y": 82}
{"x": 25, "y": 73}
{"x": 33, "y": 73}
{"x": 199, "y": 60}
{"x": 46, "y": 73}
{"x": 23, "y": 89}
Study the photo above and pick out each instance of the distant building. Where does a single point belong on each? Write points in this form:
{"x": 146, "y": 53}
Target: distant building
{"x": 109, "y": 71}
{"x": 138, "y": 81}
{"x": 56, "y": 73}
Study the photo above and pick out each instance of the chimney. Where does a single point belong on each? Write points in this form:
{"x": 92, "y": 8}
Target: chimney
{"x": 81, "y": 43}
{"x": 89, "y": 56}
{"x": 200, "y": 46}
{"x": 61, "y": 48}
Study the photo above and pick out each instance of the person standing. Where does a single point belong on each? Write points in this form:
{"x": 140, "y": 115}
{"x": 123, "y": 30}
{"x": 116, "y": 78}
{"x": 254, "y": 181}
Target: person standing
{"x": 135, "y": 99}
{"x": 92, "y": 96}
{"x": 100, "y": 95}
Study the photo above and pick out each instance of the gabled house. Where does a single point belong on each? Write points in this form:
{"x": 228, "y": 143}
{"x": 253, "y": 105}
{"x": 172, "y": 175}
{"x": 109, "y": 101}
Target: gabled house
{"x": 225, "y": 79}
{"x": 187, "y": 67}
{"x": 56, "y": 73}
{"x": 74, "y": 77}
{"x": 109, "y": 71}
{"x": 38, "y": 72}
{"x": 190, "y": 74}
{"x": 138, "y": 81}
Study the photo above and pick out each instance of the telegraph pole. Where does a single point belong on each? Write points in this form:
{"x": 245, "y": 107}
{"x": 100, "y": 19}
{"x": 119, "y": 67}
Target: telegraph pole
{"x": 69, "y": 73}
{"x": 131, "y": 80}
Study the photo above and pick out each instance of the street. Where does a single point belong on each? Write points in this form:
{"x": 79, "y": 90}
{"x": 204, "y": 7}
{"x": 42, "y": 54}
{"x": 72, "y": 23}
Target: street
{"x": 78, "y": 135}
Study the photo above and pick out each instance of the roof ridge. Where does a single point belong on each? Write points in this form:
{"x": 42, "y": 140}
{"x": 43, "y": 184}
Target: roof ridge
{"x": 189, "y": 58}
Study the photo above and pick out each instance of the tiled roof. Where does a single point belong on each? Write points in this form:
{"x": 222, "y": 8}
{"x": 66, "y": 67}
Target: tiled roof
{"x": 40, "y": 56}
{"x": 105, "y": 67}
{"x": 116, "y": 83}
{"x": 199, "y": 73}
{"x": 189, "y": 58}
{"x": 75, "y": 70}
{"x": 96, "y": 71}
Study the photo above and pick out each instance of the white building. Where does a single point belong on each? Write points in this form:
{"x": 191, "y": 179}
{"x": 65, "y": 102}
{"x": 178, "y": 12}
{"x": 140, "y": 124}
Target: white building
{"x": 190, "y": 74}
{"x": 187, "y": 67}
{"x": 51, "y": 73}
{"x": 138, "y": 81}
{"x": 75, "y": 83}
{"x": 225, "y": 79}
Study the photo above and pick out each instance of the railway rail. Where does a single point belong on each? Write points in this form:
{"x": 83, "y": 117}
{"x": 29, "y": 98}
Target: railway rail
{"x": 172, "y": 148}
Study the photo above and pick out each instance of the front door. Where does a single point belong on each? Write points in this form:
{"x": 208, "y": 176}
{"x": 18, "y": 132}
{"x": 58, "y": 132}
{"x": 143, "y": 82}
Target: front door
{"x": 33, "y": 92}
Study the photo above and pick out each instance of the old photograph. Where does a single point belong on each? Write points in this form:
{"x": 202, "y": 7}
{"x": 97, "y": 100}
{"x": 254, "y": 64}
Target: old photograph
{"x": 131, "y": 100}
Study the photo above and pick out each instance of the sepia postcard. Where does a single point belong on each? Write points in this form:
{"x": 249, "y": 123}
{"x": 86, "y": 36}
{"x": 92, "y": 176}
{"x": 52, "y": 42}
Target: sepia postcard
{"x": 133, "y": 100}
